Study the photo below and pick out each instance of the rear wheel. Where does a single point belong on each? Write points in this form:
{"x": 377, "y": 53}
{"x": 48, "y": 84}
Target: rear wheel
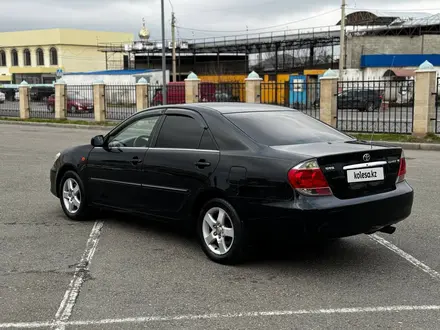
{"x": 369, "y": 107}
{"x": 221, "y": 232}
{"x": 73, "y": 197}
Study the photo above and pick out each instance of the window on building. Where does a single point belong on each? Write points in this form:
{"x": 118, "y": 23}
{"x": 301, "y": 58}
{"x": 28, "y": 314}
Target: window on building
{"x": 2, "y": 58}
{"x": 40, "y": 57}
{"x": 53, "y": 56}
{"x": 27, "y": 57}
{"x": 14, "y": 58}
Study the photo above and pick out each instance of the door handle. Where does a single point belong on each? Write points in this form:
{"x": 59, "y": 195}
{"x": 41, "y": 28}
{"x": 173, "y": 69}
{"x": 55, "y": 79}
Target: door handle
{"x": 202, "y": 163}
{"x": 136, "y": 160}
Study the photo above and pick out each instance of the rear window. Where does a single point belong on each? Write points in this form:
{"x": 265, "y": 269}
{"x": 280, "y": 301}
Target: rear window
{"x": 274, "y": 128}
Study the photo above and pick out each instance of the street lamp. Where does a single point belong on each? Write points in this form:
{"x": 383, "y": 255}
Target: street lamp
{"x": 164, "y": 63}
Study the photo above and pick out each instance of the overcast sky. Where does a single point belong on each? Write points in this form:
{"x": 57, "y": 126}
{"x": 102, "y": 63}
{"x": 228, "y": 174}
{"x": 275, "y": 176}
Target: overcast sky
{"x": 217, "y": 17}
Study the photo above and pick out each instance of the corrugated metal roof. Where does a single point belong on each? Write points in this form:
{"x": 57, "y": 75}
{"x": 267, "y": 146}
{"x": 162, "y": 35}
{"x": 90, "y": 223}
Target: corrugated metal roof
{"x": 112, "y": 72}
{"x": 430, "y": 20}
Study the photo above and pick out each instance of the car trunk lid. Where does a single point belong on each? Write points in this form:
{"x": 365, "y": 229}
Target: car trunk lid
{"x": 353, "y": 168}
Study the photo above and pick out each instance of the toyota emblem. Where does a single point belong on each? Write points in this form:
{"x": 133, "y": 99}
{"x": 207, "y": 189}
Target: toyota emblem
{"x": 366, "y": 157}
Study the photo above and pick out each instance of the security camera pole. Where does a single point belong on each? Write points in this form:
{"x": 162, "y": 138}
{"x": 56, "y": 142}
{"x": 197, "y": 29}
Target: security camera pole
{"x": 164, "y": 64}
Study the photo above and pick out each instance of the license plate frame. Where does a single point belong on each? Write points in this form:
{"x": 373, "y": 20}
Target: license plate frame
{"x": 368, "y": 174}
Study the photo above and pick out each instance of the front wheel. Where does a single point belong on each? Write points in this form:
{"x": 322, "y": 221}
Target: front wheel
{"x": 221, "y": 232}
{"x": 73, "y": 197}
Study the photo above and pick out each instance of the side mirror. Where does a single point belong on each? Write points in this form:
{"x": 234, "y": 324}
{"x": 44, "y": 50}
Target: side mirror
{"x": 98, "y": 141}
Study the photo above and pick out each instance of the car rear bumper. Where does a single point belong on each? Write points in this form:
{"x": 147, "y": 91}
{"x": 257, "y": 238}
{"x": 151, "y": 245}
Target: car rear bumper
{"x": 331, "y": 217}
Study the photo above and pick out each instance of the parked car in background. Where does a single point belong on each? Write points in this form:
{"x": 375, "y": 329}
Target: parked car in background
{"x": 41, "y": 93}
{"x": 76, "y": 103}
{"x": 361, "y": 99}
{"x": 232, "y": 172}
{"x": 176, "y": 93}
{"x": 2, "y": 97}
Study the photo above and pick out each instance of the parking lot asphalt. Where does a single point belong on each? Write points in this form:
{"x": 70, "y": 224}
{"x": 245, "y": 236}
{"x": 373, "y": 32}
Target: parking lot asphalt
{"x": 147, "y": 275}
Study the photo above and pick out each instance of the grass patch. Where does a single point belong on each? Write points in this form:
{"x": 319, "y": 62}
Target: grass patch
{"x": 429, "y": 138}
{"x": 60, "y": 121}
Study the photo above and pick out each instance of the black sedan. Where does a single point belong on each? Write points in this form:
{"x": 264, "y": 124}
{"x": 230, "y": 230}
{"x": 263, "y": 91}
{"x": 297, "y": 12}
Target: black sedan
{"x": 232, "y": 171}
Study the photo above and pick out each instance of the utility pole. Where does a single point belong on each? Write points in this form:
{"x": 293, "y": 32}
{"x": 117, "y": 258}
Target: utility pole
{"x": 164, "y": 63}
{"x": 173, "y": 41}
{"x": 342, "y": 41}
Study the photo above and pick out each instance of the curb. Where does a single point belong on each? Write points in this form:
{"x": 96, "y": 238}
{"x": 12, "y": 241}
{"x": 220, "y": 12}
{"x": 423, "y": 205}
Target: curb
{"x": 71, "y": 126}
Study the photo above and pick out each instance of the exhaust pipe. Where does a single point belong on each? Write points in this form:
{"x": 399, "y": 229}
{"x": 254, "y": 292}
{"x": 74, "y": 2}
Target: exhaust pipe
{"x": 388, "y": 229}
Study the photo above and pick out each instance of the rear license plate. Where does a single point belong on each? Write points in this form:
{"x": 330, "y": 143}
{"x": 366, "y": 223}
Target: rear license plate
{"x": 365, "y": 174}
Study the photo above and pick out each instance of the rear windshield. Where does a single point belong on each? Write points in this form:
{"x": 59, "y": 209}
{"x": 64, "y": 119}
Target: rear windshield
{"x": 274, "y": 128}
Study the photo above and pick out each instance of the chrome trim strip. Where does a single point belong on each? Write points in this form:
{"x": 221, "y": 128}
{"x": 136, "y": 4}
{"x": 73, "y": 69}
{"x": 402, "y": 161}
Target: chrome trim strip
{"x": 115, "y": 181}
{"x": 364, "y": 165}
{"x": 163, "y": 188}
{"x": 182, "y": 149}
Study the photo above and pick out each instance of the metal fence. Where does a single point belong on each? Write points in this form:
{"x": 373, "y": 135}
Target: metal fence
{"x": 10, "y": 106}
{"x": 301, "y": 95}
{"x": 383, "y": 106}
{"x": 437, "y": 108}
{"x": 120, "y": 101}
{"x": 222, "y": 92}
{"x": 41, "y": 103}
{"x": 79, "y": 101}
{"x": 175, "y": 94}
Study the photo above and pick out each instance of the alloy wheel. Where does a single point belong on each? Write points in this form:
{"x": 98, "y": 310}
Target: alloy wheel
{"x": 218, "y": 231}
{"x": 71, "y": 195}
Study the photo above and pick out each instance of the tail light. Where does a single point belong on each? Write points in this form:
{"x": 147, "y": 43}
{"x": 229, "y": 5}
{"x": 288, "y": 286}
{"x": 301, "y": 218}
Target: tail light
{"x": 308, "y": 179}
{"x": 402, "y": 168}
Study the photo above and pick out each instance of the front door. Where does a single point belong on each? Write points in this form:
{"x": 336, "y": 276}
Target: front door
{"x": 179, "y": 165}
{"x": 115, "y": 170}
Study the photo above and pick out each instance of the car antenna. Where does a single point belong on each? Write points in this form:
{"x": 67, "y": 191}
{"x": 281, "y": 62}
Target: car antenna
{"x": 381, "y": 103}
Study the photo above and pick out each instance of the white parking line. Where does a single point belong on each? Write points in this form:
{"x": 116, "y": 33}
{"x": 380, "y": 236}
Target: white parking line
{"x": 431, "y": 272}
{"x": 195, "y": 317}
{"x": 68, "y": 302}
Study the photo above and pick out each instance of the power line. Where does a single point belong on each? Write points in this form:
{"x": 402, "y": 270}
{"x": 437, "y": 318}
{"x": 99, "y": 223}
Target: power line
{"x": 263, "y": 28}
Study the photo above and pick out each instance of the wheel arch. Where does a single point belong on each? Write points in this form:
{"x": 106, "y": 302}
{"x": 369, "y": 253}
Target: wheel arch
{"x": 202, "y": 198}
{"x": 61, "y": 172}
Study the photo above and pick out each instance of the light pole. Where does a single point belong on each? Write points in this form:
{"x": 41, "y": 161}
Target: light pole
{"x": 342, "y": 41}
{"x": 164, "y": 63}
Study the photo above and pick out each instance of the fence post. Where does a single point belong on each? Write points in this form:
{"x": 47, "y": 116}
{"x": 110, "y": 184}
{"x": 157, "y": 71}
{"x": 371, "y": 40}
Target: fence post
{"x": 192, "y": 88}
{"x": 141, "y": 94}
{"x": 424, "y": 100}
{"x": 23, "y": 89}
{"x": 328, "y": 98}
{"x": 99, "y": 100}
{"x": 253, "y": 88}
{"x": 60, "y": 100}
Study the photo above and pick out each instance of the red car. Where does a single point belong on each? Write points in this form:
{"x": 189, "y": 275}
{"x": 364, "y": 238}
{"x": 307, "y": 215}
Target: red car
{"x": 75, "y": 103}
{"x": 176, "y": 93}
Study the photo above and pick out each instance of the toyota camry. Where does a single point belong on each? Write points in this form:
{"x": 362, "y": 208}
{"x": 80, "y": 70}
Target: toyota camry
{"x": 231, "y": 171}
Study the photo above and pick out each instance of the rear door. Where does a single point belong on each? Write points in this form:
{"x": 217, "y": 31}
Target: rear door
{"x": 179, "y": 164}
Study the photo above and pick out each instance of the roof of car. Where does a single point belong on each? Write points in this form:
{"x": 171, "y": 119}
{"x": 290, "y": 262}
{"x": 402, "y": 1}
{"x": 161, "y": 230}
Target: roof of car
{"x": 236, "y": 107}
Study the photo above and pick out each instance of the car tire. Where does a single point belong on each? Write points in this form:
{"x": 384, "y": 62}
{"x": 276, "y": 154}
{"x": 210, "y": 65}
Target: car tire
{"x": 369, "y": 107}
{"x": 227, "y": 236}
{"x": 72, "y": 188}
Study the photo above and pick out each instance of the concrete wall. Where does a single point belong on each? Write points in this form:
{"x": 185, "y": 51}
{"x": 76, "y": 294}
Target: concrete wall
{"x": 357, "y": 46}
{"x": 88, "y": 79}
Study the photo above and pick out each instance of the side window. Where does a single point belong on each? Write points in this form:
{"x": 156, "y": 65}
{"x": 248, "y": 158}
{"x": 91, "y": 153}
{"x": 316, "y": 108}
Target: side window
{"x": 179, "y": 132}
{"x": 206, "y": 142}
{"x": 136, "y": 134}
